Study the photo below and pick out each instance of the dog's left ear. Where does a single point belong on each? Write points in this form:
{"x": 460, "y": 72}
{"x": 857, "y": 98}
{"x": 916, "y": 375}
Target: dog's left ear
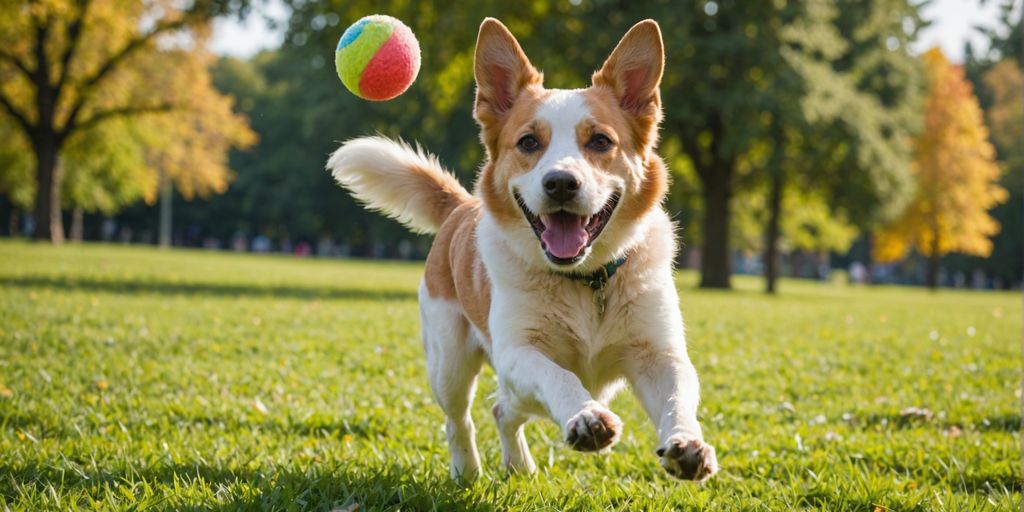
{"x": 633, "y": 70}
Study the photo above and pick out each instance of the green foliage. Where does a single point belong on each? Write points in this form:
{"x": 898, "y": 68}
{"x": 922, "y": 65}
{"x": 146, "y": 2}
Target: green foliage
{"x": 17, "y": 182}
{"x": 809, "y": 223}
{"x": 866, "y": 149}
{"x": 67, "y": 67}
{"x": 1008, "y": 245}
{"x": 104, "y": 168}
{"x": 185, "y": 380}
{"x": 739, "y": 66}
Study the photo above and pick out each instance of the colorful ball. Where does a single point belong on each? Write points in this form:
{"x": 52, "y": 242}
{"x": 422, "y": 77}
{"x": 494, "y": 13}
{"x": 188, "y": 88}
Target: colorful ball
{"x": 377, "y": 58}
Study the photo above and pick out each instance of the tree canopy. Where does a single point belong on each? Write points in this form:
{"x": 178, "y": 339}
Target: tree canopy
{"x": 787, "y": 125}
{"x": 70, "y": 66}
{"x": 956, "y": 176}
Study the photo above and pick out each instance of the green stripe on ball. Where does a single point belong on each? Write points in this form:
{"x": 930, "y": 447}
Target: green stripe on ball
{"x": 352, "y": 59}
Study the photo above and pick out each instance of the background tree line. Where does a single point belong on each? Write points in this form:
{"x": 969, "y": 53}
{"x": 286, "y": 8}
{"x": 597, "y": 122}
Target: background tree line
{"x": 788, "y": 125}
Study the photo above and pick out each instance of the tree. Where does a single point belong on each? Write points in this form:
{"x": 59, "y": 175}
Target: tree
{"x": 1005, "y": 83}
{"x": 103, "y": 170}
{"x": 188, "y": 148}
{"x": 839, "y": 132}
{"x": 956, "y": 175}
{"x": 998, "y": 86}
{"x": 67, "y": 67}
{"x": 15, "y": 167}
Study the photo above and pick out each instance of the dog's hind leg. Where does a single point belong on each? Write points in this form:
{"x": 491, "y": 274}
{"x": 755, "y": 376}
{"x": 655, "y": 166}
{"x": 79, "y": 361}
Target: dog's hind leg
{"x": 453, "y": 362}
{"x": 515, "y": 453}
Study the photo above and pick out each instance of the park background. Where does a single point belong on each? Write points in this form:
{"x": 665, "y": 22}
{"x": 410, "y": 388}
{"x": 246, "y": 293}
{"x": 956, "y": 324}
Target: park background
{"x": 802, "y": 136}
{"x": 139, "y": 377}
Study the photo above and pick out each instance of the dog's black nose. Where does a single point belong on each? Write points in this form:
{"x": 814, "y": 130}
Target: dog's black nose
{"x": 561, "y": 186}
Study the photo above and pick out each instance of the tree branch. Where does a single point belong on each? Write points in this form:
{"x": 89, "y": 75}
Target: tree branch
{"x": 74, "y": 36}
{"x": 112, "y": 63}
{"x": 18, "y": 116}
{"x": 119, "y": 112}
{"x": 18, "y": 63}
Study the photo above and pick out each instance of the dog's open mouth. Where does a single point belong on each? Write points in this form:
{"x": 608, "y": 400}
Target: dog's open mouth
{"x": 565, "y": 236}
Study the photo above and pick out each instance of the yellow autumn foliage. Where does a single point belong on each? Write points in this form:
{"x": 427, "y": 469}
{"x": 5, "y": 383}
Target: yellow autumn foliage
{"x": 159, "y": 96}
{"x": 955, "y": 173}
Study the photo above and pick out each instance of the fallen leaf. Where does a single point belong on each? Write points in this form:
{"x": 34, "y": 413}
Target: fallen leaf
{"x": 260, "y": 406}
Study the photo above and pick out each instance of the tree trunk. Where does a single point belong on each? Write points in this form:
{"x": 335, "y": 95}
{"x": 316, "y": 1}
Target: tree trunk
{"x": 933, "y": 259}
{"x": 49, "y": 225}
{"x": 933, "y": 271}
{"x": 77, "y": 224}
{"x": 14, "y": 224}
{"x": 166, "y": 196}
{"x": 715, "y": 262}
{"x": 771, "y": 237}
{"x": 870, "y": 241}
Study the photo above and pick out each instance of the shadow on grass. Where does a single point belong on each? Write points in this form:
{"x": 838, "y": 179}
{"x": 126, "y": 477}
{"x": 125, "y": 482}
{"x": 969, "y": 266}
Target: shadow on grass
{"x": 366, "y": 427}
{"x": 321, "y": 487}
{"x": 360, "y": 426}
{"x": 1004, "y": 423}
{"x": 157, "y": 287}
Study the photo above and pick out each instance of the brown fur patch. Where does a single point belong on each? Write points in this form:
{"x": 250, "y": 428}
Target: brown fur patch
{"x": 454, "y": 269}
{"x": 506, "y": 161}
{"x": 652, "y": 191}
{"x": 643, "y": 125}
{"x": 444, "y": 191}
{"x": 635, "y": 138}
{"x": 604, "y": 108}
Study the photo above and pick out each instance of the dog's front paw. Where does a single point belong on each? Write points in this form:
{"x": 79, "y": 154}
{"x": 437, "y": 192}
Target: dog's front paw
{"x": 688, "y": 458}
{"x": 592, "y": 429}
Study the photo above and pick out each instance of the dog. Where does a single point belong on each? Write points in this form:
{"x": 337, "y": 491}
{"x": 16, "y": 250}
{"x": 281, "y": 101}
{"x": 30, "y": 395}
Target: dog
{"x": 557, "y": 269}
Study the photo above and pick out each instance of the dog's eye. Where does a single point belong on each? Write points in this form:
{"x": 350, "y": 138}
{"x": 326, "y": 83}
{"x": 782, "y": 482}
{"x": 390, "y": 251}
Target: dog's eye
{"x": 528, "y": 144}
{"x": 600, "y": 143}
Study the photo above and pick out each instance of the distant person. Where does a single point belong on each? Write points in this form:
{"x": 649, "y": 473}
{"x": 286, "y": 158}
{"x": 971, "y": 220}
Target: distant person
{"x": 978, "y": 279}
{"x": 858, "y": 273}
{"x": 108, "y": 229}
{"x": 261, "y": 244}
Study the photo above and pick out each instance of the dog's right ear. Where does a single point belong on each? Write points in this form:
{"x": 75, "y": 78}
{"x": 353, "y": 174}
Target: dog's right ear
{"x": 502, "y": 71}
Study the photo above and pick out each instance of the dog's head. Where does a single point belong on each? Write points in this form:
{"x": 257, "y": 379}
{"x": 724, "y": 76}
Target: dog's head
{"x": 570, "y": 173}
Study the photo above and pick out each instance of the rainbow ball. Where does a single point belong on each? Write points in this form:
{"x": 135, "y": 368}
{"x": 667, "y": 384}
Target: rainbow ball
{"x": 377, "y": 58}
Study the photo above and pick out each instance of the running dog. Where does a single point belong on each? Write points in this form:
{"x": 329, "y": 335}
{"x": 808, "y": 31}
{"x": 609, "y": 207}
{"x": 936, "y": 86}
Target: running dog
{"x": 557, "y": 269}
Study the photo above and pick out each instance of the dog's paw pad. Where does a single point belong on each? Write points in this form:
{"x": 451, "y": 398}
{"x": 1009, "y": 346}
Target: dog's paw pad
{"x": 688, "y": 459}
{"x": 592, "y": 429}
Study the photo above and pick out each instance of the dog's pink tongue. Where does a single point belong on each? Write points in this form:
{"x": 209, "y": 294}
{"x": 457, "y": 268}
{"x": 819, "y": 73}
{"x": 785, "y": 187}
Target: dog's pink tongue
{"x": 564, "y": 234}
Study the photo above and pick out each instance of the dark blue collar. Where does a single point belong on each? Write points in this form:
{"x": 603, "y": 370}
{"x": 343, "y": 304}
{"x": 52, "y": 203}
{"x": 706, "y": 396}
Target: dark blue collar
{"x": 598, "y": 278}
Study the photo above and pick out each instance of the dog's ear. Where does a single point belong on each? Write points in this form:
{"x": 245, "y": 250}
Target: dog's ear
{"x": 633, "y": 70}
{"x": 502, "y": 71}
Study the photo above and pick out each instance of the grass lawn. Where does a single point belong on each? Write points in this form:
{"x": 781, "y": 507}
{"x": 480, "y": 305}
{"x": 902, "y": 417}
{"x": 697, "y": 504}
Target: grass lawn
{"x": 132, "y": 378}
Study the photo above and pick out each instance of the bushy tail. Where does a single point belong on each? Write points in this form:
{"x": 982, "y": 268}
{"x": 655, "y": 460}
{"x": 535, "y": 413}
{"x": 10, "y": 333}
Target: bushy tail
{"x": 405, "y": 184}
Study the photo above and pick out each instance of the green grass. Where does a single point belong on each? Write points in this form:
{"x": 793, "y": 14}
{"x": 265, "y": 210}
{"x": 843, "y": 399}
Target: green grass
{"x": 132, "y": 378}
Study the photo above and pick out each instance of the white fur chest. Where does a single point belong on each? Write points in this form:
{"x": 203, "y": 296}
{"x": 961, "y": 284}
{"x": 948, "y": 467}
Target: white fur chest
{"x": 559, "y": 316}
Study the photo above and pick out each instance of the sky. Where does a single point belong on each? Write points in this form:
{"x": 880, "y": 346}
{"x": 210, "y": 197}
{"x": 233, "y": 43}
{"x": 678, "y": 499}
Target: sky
{"x": 952, "y": 25}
